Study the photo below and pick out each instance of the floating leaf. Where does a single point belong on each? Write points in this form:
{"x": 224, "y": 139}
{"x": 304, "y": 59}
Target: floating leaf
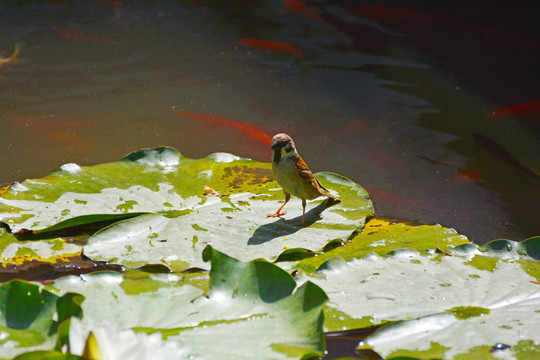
{"x": 251, "y": 311}
{"x": 381, "y": 236}
{"x": 437, "y": 301}
{"x": 52, "y": 250}
{"x": 180, "y": 219}
{"x": 47, "y": 355}
{"x": 26, "y": 317}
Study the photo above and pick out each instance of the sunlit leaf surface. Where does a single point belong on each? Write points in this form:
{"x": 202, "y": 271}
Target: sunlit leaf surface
{"x": 382, "y": 236}
{"x": 253, "y": 309}
{"x": 454, "y": 301}
{"x": 17, "y": 252}
{"x": 434, "y": 294}
{"x": 182, "y": 215}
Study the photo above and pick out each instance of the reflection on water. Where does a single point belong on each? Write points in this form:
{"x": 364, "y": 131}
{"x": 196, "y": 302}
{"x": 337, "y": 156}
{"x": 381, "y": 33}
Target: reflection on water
{"x": 392, "y": 98}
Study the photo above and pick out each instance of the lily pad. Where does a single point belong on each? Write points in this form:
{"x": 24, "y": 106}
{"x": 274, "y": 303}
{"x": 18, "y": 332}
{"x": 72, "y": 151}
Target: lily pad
{"x": 382, "y": 235}
{"x": 434, "y": 302}
{"x": 17, "y": 252}
{"x": 252, "y": 311}
{"x": 181, "y": 217}
{"x": 29, "y": 317}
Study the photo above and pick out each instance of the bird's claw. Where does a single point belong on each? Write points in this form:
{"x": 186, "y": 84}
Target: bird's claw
{"x": 277, "y": 214}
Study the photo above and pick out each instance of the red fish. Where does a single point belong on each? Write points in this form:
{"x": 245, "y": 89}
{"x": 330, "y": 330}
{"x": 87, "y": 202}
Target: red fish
{"x": 351, "y": 129}
{"x": 273, "y": 46}
{"x": 382, "y": 158}
{"x": 52, "y": 130}
{"x": 10, "y": 60}
{"x": 528, "y": 110}
{"x": 389, "y": 198}
{"x": 302, "y": 9}
{"x": 463, "y": 176}
{"x": 76, "y": 35}
{"x": 247, "y": 129}
{"x": 321, "y": 26}
{"x": 392, "y": 14}
{"x": 114, "y": 3}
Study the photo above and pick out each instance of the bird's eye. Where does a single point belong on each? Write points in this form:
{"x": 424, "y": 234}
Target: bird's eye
{"x": 288, "y": 147}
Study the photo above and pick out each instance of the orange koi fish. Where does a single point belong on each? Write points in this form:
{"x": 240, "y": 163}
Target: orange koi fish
{"x": 52, "y": 130}
{"x": 12, "y": 59}
{"x": 273, "y": 46}
{"x": 382, "y": 158}
{"x": 527, "y": 110}
{"x": 76, "y": 35}
{"x": 322, "y": 27}
{"x": 387, "y": 197}
{"x": 464, "y": 176}
{"x": 247, "y": 129}
{"x": 391, "y": 14}
{"x": 114, "y": 3}
{"x": 302, "y": 9}
{"x": 351, "y": 129}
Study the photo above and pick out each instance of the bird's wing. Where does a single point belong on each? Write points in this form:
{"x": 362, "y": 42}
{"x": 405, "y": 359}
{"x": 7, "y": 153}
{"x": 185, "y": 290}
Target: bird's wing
{"x": 307, "y": 175}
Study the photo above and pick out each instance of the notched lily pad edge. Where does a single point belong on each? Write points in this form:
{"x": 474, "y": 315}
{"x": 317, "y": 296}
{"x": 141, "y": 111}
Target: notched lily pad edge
{"x": 75, "y": 225}
{"x": 528, "y": 247}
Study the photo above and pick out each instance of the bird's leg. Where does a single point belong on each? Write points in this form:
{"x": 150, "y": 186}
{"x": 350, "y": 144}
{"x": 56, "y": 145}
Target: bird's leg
{"x": 303, "y": 213}
{"x": 278, "y": 212}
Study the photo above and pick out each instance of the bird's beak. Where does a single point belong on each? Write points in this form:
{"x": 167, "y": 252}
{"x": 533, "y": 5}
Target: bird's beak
{"x": 273, "y": 145}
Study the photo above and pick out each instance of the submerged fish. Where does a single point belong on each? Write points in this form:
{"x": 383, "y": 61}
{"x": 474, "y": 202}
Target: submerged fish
{"x": 353, "y": 128}
{"x": 248, "y": 130}
{"x": 392, "y": 14}
{"x": 12, "y": 59}
{"x": 58, "y": 131}
{"x": 318, "y": 25}
{"x": 382, "y": 159}
{"x": 77, "y": 35}
{"x": 274, "y": 46}
{"x": 527, "y": 110}
{"x": 302, "y": 9}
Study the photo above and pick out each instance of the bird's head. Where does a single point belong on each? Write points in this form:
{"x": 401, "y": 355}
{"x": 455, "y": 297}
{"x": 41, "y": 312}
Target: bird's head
{"x": 283, "y": 146}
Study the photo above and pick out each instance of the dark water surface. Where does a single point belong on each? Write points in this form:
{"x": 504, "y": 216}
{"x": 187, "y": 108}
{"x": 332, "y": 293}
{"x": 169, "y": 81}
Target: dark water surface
{"x": 395, "y": 98}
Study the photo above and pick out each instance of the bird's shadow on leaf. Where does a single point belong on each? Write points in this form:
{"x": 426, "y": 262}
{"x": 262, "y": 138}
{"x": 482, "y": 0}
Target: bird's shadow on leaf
{"x": 282, "y": 227}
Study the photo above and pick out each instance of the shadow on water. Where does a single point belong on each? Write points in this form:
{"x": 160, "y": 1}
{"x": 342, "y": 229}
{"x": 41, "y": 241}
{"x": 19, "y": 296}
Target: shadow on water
{"x": 502, "y": 153}
{"x": 47, "y": 272}
{"x": 343, "y": 344}
{"x": 413, "y": 94}
{"x": 282, "y": 227}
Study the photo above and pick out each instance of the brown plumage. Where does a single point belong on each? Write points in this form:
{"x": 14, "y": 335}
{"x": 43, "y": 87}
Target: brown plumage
{"x": 294, "y": 176}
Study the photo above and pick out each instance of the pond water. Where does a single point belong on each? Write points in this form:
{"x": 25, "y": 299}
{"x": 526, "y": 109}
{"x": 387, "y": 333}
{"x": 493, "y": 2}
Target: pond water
{"x": 396, "y": 99}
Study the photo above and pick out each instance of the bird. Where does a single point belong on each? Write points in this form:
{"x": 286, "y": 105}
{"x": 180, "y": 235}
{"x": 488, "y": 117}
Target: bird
{"x": 294, "y": 176}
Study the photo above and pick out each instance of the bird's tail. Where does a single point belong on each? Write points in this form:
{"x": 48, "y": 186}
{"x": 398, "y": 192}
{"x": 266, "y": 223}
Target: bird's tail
{"x": 326, "y": 193}
{"x": 335, "y": 199}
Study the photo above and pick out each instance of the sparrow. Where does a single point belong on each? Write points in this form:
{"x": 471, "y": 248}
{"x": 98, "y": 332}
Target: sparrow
{"x": 294, "y": 176}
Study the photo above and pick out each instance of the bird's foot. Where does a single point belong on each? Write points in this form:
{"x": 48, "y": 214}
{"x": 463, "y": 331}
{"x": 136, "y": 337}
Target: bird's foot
{"x": 276, "y": 214}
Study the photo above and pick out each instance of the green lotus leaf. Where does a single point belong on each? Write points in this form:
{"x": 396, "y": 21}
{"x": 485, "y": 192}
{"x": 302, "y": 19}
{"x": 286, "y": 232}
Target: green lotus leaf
{"x": 47, "y": 355}
{"x": 252, "y": 309}
{"x": 436, "y": 305}
{"x": 52, "y": 250}
{"x": 29, "y": 317}
{"x": 381, "y": 236}
{"x": 188, "y": 203}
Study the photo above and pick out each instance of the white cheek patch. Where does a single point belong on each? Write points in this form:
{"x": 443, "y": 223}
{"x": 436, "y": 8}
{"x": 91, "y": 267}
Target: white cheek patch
{"x": 285, "y": 153}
